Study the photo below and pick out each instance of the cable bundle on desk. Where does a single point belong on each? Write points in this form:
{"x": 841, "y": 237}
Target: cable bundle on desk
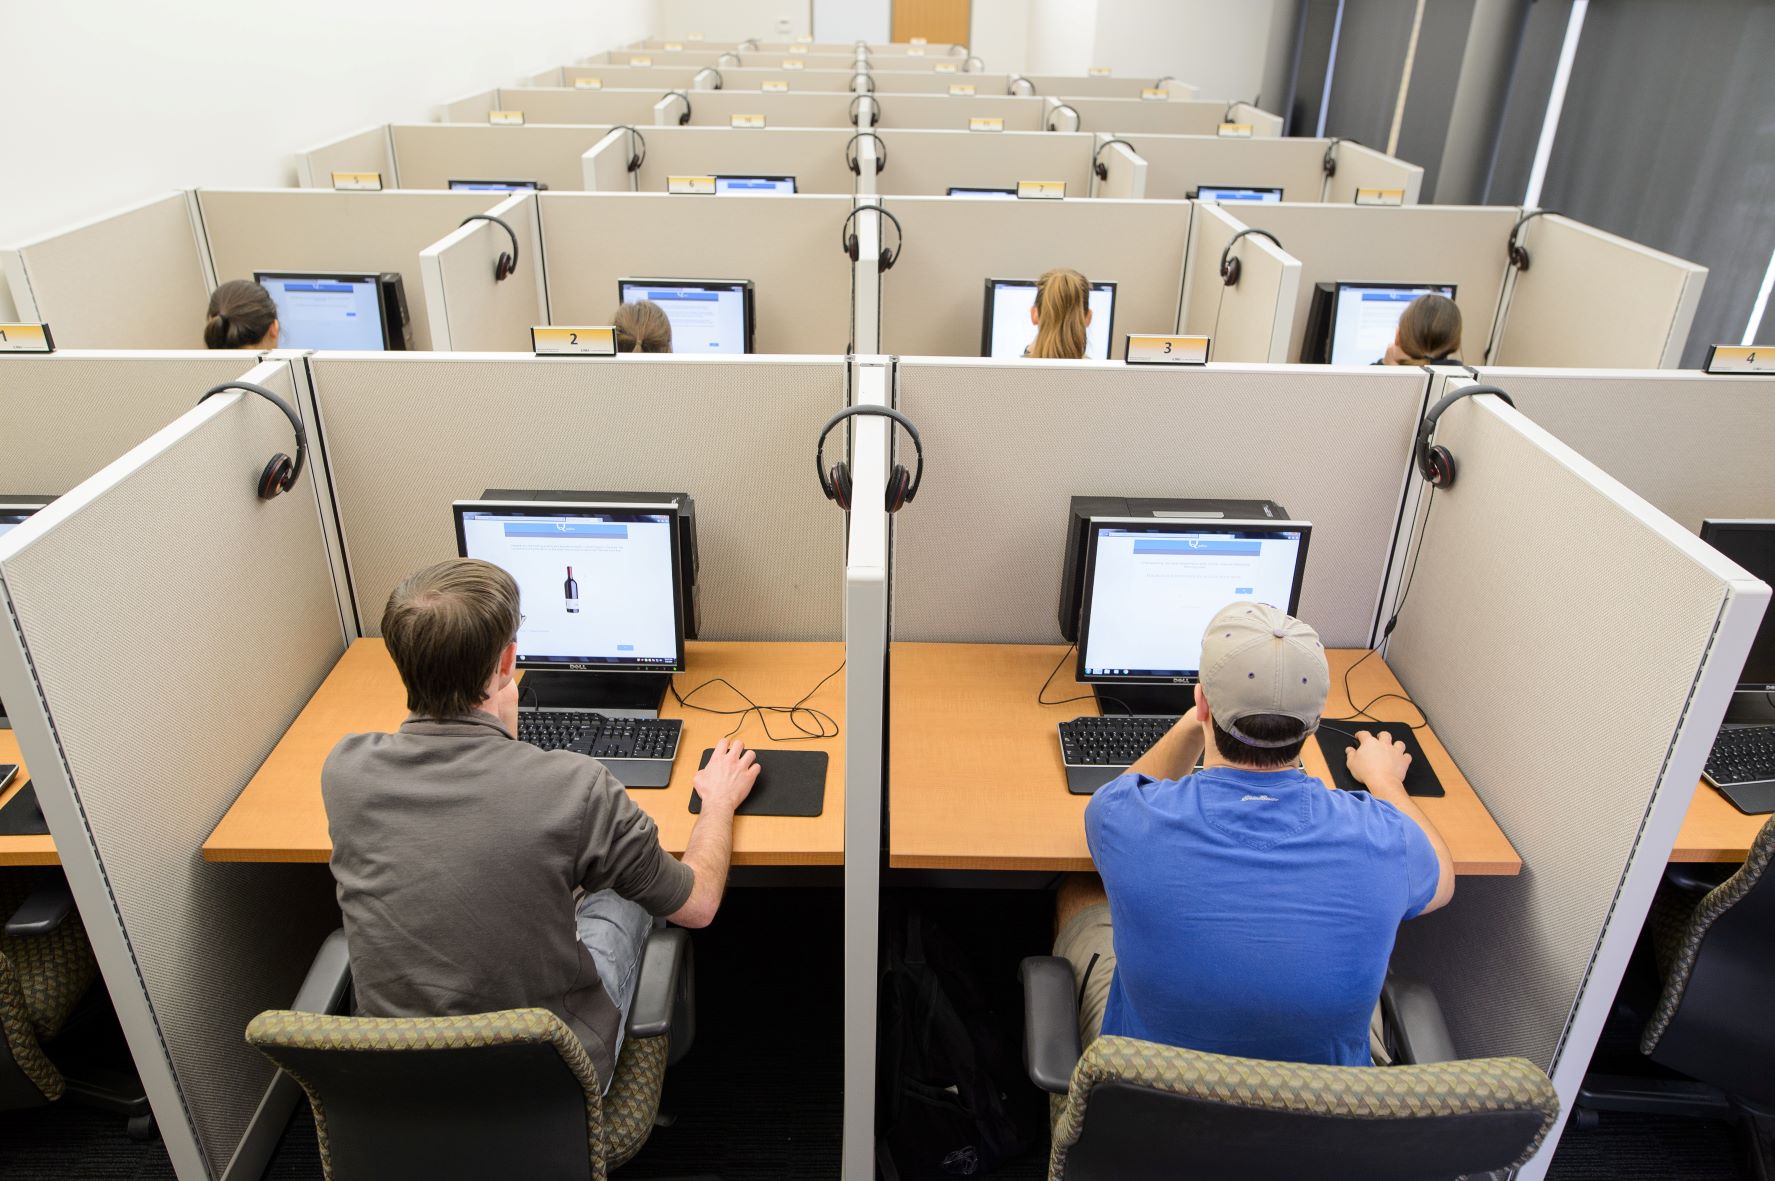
{"x": 824, "y": 724}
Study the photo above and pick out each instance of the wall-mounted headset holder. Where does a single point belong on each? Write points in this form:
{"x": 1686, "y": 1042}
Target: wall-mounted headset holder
{"x": 1516, "y": 252}
{"x": 1078, "y": 124}
{"x": 1016, "y": 80}
{"x": 506, "y": 263}
{"x": 1435, "y": 463}
{"x": 851, "y": 248}
{"x": 869, "y": 89}
{"x": 638, "y": 153}
{"x": 850, "y": 152}
{"x": 1230, "y": 267}
{"x": 683, "y": 119}
{"x": 281, "y": 472}
{"x": 836, "y": 483}
{"x": 1328, "y": 162}
{"x": 1097, "y": 164}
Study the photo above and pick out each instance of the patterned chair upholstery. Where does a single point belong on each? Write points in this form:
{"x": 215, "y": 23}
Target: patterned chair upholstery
{"x": 1134, "y": 1109}
{"x": 42, "y": 978}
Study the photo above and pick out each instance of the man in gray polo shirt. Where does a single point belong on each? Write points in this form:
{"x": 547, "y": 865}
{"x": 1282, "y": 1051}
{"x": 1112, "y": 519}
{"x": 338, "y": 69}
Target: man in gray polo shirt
{"x": 476, "y": 872}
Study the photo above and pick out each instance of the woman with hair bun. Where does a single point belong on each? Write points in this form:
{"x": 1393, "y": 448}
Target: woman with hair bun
{"x": 241, "y": 316}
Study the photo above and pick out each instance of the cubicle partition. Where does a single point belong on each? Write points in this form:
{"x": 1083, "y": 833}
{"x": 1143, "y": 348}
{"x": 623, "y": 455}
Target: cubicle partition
{"x": 369, "y": 150}
{"x": 1355, "y": 168}
{"x": 1069, "y": 86}
{"x": 548, "y": 105}
{"x": 1130, "y": 116}
{"x": 814, "y": 157}
{"x": 318, "y": 230}
{"x": 949, "y": 112}
{"x": 609, "y": 77}
{"x": 933, "y": 299}
{"x": 474, "y": 303}
{"x": 930, "y": 82}
{"x": 1248, "y": 319}
{"x": 90, "y": 283}
{"x": 720, "y": 108}
{"x": 788, "y": 247}
{"x": 431, "y": 155}
{"x": 1584, "y": 733}
{"x": 929, "y": 163}
{"x": 233, "y": 618}
{"x": 1179, "y": 165}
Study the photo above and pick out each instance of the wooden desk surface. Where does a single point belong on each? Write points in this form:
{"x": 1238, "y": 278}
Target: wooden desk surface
{"x": 21, "y": 850}
{"x": 976, "y": 780}
{"x": 279, "y": 815}
{"x": 1714, "y": 830}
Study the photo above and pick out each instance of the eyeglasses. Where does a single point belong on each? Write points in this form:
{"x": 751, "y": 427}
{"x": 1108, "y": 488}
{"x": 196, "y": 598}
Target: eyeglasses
{"x": 521, "y": 618}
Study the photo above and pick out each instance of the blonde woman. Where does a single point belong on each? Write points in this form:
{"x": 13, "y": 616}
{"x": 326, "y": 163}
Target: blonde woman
{"x": 1061, "y": 313}
{"x": 642, "y": 327}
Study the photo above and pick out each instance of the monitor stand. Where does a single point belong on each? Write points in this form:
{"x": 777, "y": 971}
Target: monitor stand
{"x": 1165, "y": 700}
{"x": 623, "y": 695}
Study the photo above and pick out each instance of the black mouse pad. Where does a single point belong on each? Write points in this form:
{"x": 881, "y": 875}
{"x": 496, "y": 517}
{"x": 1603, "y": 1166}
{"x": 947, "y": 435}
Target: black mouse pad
{"x": 790, "y": 783}
{"x": 21, "y": 817}
{"x": 1420, "y": 777}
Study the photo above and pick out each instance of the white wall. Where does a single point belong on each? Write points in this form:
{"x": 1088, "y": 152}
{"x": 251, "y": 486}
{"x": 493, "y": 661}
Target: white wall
{"x": 1217, "y": 47}
{"x": 735, "y": 20}
{"x": 1062, "y": 36}
{"x": 116, "y": 100}
{"x": 853, "y": 20}
{"x": 999, "y": 35}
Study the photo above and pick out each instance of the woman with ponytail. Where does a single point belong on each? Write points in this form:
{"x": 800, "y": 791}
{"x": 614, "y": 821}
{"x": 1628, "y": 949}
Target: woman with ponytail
{"x": 1429, "y": 333}
{"x": 1061, "y": 313}
{"x": 241, "y": 316}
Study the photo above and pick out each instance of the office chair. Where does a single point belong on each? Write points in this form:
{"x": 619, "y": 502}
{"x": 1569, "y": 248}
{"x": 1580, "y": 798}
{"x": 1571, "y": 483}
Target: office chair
{"x": 1130, "y": 1109}
{"x": 46, "y": 966}
{"x": 510, "y": 1093}
{"x": 1715, "y": 954}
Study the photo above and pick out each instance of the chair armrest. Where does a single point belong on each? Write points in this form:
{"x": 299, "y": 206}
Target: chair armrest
{"x": 328, "y": 977}
{"x": 1050, "y": 1022}
{"x": 1414, "y": 1022}
{"x": 1697, "y": 879}
{"x": 44, "y": 908}
{"x": 662, "y": 990}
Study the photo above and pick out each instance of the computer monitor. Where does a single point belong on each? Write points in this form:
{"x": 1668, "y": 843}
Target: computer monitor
{"x": 1006, "y": 331}
{"x": 16, "y": 509}
{"x": 768, "y": 185}
{"x": 337, "y": 310}
{"x": 990, "y": 194}
{"x": 498, "y": 186}
{"x": 1752, "y": 545}
{"x": 707, "y": 315}
{"x": 1152, "y": 586}
{"x": 1365, "y": 317}
{"x": 599, "y": 588}
{"x": 1236, "y": 193}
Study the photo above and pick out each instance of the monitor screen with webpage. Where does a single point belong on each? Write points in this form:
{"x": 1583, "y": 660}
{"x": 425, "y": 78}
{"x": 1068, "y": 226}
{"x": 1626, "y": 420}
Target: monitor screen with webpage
{"x": 326, "y": 311}
{"x": 598, "y": 585}
{"x": 1152, "y": 586}
{"x": 1007, "y": 330}
{"x": 990, "y": 194}
{"x": 1236, "y": 193}
{"x": 497, "y": 186}
{"x": 14, "y": 515}
{"x": 1365, "y": 317}
{"x": 771, "y": 185}
{"x": 1752, "y": 545}
{"x": 707, "y": 315}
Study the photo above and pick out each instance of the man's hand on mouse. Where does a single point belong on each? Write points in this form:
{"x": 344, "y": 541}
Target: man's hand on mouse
{"x": 1377, "y": 759}
{"x": 728, "y": 778}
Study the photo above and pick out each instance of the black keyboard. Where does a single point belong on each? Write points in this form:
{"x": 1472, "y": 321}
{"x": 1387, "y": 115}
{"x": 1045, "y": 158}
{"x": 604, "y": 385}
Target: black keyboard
{"x": 1096, "y": 750}
{"x": 638, "y": 751}
{"x": 1742, "y": 766}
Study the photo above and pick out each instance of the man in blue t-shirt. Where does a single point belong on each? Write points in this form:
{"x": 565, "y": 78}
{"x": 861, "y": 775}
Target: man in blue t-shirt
{"x": 1253, "y": 911}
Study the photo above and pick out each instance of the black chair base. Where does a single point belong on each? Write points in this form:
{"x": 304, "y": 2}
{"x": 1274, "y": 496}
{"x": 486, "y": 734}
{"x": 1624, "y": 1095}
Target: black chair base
{"x": 1635, "y": 1095}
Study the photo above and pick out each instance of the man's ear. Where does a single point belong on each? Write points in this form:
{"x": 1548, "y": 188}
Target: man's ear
{"x": 508, "y": 659}
{"x": 1202, "y": 714}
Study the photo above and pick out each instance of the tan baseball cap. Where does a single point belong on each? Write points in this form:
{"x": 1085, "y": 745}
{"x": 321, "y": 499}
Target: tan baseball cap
{"x": 1259, "y": 660}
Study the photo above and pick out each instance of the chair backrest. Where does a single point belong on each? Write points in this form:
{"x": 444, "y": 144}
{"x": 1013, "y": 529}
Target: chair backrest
{"x": 1712, "y": 1020}
{"x": 1139, "y": 1110}
{"x": 492, "y": 1094}
{"x": 27, "y": 1077}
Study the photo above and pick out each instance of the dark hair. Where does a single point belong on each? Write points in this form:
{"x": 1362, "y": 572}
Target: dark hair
{"x": 445, "y": 627}
{"x": 1430, "y": 328}
{"x": 1272, "y": 727}
{"x": 642, "y": 327}
{"x": 240, "y": 315}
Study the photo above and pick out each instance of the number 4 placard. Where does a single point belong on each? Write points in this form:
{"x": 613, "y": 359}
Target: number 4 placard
{"x": 574, "y": 341}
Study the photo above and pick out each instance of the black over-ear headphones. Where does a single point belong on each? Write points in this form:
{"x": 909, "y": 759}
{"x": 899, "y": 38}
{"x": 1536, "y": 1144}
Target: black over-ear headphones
{"x": 719, "y": 80}
{"x": 280, "y": 472}
{"x": 1013, "y": 80}
{"x": 683, "y": 119}
{"x": 1516, "y": 251}
{"x": 850, "y": 157}
{"x": 506, "y": 263}
{"x": 851, "y": 248}
{"x": 1230, "y": 266}
{"x": 641, "y": 141}
{"x": 1097, "y": 164}
{"x": 1436, "y": 464}
{"x": 1160, "y": 83}
{"x": 836, "y": 484}
{"x": 869, "y": 90}
{"x": 1078, "y": 122}
{"x": 1328, "y": 162}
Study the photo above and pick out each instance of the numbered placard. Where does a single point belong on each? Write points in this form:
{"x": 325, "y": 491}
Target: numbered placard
{"x": 640, "y": 59}
{"x": 1041, "y": 190}
{"x": 1152, "y": 349}
{"x": 986, "y": 123}
{"x": 961, "y": 88}
{"x": 1099, "y": 71}
{"x": 1234, "y": 131}
{"x": 358, "y": 182}
{"x": 1157, "y": 94}
{"x": 797, "y": 49}
{"x": 917, "y": 50}
{"x": 917, "y": 41}
{"x": 588, "y": 84}
{"x": 946, "y": 68}
{"x": 674, "y": 46}
{"x": 702, "y": 186}
{"x": 1380, "y": 196}
{"x": 506, "y": 118}
{"x": 747, "y": 121}
{"x": 26, "y": 338}
{"x": 693, "y": 36}
{"x": 776, "y": 87}
{"x": 574, "y": 341}
{"x": 1726, "y": 358}
{"x": 794, "y": 64}
{"x": 804, "y": 40}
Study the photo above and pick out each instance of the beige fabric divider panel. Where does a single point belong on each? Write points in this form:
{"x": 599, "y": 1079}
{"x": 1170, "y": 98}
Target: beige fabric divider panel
{"x": 807, "y": 80}
{"x": 1127, "y": 116}
{"x": 552, "y": 77}
{"x": 1178, "y": 165}
{"x": 606, "y": 165}
{"x": 366, "y": 151}
{"x": 86, "y": 282}
{"x": 1124, "y": 171}
{"x": 468, "y": 308}
{"x": 1563, "y": 731}
{"x": 1065, "y": 86}
{"x": 716, "y": 108}
{"x": 597, "y": 107}
{"x": 429, "y": 155}
{"x": 949, "y": 112}
{"x": 66, "y": 415}
{"x": 787, "y": 246}
{"x": 927, "y": 163}
{"x": 693, "y": 58}
{"x": 471, "y": 108}
{"x": 233, "y": 596}
{"x": 1592, "y": 299}
{"x": 315, "y": 230}
{"x": 1696, "y": 445}
{"x": 934, "y": 298}
{"x": 1459, "y": 244}
{"x": 1263, "y": 123}
{"x": 1211, "y": 228}
{"x": 734, "y": 433}
{"x": 1248, "y": 321}
{"x": 1359, "y": 167}
{"x": 813, "y": 156}
{"x": 980, "y": 559}
{"x": 654, "y": 78}
{"x": 904, "y": 82}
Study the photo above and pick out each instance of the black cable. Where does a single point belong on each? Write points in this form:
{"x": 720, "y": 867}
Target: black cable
{"x": 1411, "y": 573}
{"x": 825, "y": 725}
{"x": 1041, "y": 699}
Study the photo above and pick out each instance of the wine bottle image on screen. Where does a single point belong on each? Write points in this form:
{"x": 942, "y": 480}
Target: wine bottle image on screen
{"x": 572, "y": 587}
